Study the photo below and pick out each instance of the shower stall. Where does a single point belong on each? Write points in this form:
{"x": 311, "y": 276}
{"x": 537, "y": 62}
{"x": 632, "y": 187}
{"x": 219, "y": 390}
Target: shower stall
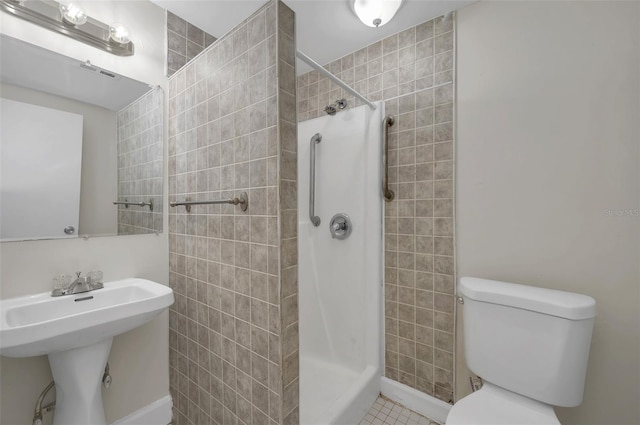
{"x": 340, "y": 239}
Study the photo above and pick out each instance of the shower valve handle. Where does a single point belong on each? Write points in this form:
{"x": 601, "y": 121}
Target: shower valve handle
{"x": 339, "y": 226}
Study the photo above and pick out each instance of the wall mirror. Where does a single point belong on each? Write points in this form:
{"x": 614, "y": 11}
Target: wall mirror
{"x": 81, "y": 148}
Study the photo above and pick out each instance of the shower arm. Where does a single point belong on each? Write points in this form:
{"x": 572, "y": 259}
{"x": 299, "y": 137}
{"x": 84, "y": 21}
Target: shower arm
{"x": 315, "y": 220}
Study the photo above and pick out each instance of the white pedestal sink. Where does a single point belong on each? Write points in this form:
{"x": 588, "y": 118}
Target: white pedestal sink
{"x": 76, "y": 332}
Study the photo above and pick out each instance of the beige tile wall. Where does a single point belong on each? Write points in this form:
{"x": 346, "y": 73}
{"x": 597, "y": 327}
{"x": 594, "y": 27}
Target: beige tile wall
{"x": 140, "y": 158}
{"x": 233, "y": 329}
{"x": 412, "y": 72}
{"x": 184, "y": 42}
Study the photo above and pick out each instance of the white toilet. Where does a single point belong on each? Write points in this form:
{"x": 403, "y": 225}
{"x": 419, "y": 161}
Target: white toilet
{"x": 530, "y": 346}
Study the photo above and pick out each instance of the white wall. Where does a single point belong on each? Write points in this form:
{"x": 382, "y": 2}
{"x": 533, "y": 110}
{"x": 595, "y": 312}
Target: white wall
{"x": 547, "y": 141}
{"x": 139, "y": 359}
{"x": 99, "y": 157}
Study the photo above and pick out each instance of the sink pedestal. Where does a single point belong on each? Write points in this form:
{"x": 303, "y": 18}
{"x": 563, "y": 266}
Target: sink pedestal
{"x": 78, "y": 377}
{"x": 76, "y": 333}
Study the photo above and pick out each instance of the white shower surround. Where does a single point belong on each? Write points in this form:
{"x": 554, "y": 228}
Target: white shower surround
{"x": 341, "y": 281}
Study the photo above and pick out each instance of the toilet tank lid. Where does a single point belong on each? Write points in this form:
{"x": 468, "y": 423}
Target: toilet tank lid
{"x": 548, "y": 301}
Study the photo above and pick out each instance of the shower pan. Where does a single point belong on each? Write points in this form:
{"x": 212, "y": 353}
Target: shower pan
{"x": 340, "y": 265}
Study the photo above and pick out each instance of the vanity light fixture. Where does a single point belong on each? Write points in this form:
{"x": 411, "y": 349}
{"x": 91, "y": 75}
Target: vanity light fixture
{"x": 72, "y": 14}
{"x": 375, "y": 13}
{"x": 119, "y": 34}
{"x": 68, "y": 19}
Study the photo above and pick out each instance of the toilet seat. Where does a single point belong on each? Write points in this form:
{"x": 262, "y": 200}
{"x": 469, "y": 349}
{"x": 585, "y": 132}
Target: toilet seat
{"x": 492, "y": 405}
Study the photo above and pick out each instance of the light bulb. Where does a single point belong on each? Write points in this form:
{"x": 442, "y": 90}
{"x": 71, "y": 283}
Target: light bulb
{"x": 119, "y": 34}
{"x": 72, "y": 14}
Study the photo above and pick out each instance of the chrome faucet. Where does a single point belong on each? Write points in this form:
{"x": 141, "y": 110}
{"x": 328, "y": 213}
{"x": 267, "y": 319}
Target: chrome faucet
{"x": 81, "y": 284}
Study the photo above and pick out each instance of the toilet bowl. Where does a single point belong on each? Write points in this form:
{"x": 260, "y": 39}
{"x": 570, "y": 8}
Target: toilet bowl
{"x": 493, "y": 405}
{"x": 530, "y": 346}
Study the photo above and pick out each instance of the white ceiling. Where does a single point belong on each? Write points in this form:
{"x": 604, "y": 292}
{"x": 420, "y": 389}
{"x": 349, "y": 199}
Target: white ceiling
{"x": 326, "y": 29}
{"x": 26, "y": 65}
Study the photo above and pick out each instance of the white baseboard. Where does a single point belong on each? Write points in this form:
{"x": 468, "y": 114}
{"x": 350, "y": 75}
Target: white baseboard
{"x": 156, "y": 413}
{"x": 415, "y": 400}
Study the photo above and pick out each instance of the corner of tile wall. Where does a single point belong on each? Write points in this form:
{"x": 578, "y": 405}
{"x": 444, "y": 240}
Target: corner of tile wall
{"x": 287, "y": 128}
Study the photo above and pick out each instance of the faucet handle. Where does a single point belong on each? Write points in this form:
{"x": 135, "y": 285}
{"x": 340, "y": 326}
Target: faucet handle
{"x": 95, "y": 276}
{"x": 62, "y": 281}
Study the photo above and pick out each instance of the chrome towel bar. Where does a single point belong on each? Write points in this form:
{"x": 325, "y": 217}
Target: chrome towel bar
{"x": 386, "y": 192}
{"x": 243, "y": 201}
{"x": 315, "y": 220}
{"x": 126, "y": 204}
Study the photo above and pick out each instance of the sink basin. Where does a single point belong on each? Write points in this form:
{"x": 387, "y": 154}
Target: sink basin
{"x": 42, "y": 324}
{"x": 76, "y": 332}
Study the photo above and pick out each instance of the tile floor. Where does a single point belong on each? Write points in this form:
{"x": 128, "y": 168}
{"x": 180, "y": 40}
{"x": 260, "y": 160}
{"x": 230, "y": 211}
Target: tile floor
{"x": 387, "y": 412}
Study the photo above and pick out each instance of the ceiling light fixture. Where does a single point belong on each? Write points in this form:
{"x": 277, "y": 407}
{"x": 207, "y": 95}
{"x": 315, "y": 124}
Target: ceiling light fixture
{"x": 375, "y": 13}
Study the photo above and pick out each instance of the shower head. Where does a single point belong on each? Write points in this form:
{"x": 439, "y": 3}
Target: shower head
{"x": 331, "y": 109}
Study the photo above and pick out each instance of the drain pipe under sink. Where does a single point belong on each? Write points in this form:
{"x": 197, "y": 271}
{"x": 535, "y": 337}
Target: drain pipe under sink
{"x": 37, "y": 415}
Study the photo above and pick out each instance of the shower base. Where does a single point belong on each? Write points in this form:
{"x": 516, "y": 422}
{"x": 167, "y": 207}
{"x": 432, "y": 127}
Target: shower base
{"x": 335, "y": 394}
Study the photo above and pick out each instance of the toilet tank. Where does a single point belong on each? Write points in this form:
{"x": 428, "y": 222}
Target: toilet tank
{"x": 532, "y": 341}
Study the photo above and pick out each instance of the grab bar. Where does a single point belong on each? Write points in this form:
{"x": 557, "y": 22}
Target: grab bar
{"x": 386, "y": 192}
{"x": 243, "y": 201}
{"x": 126, "y": 204}
{"x": 315, "y": 220}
